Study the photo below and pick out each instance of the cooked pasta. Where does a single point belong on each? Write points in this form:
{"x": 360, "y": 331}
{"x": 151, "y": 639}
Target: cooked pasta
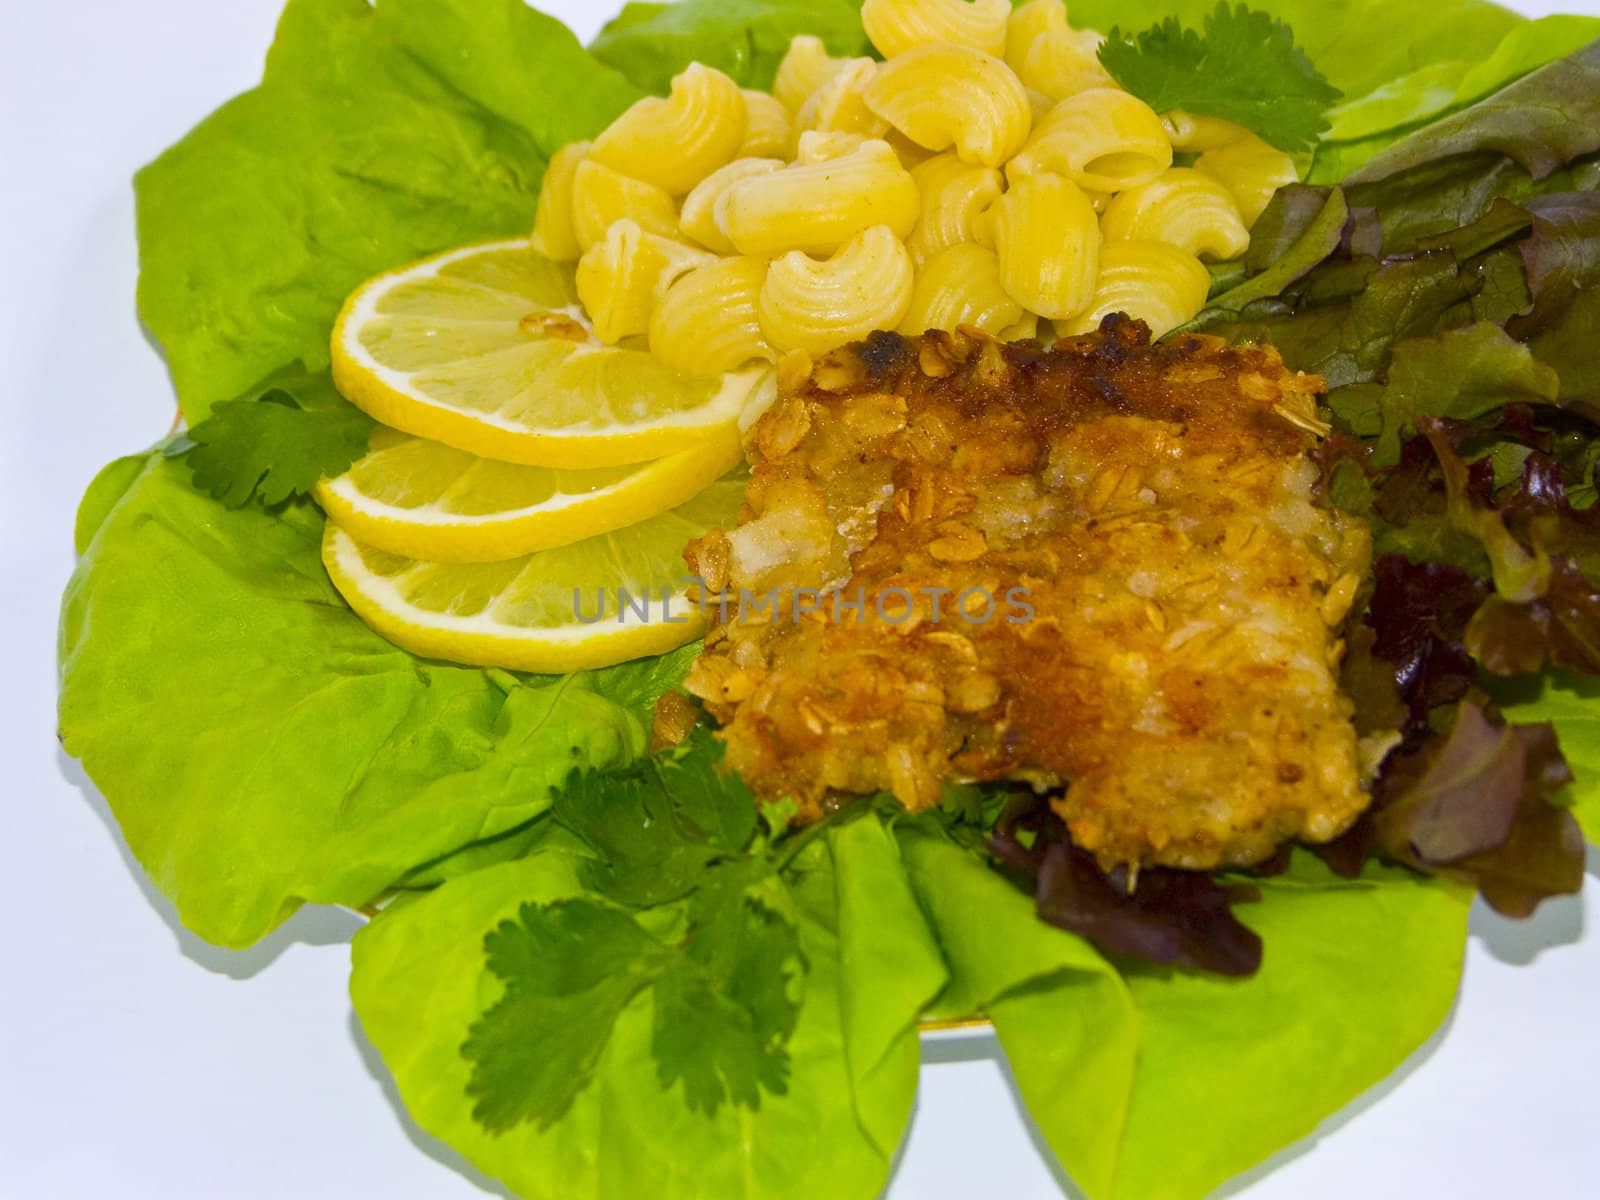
{"x": 703, "y": 214}
{"x": 1104, "y": 139}
{"x": 707, "y": 322}
{"x": 553, "y": 232}
{"x": 839, "y": 105}
{"x": 1251, "y": 170}
{"x": 768, "y": 126}
{"x": 1183, "y": 208}
{"x": 602, "y": 196}
{"x": 1048, "y": 241}
{"x": 1064, "y": 62}
{"x": 895, "y": 26}
{"x": 960, "y": 286}
{"x": 621, "y": 279}
{"x": 676, "y": 141}
{"x": 910, "y": 154}
{"x": 815, "y": 146}
{"x": 1027, "y": 22}
{"x": 1159, "y": 284}
{"x": 818, "y": 207}
{"x": 1039, "y": 104}
{"x": 1192, "y": 133}
{"x": 954, "y": 194}
{"x": 1027, "y": 327}
{"x": 943, "y": 96}
{"x": 817, "y": 305}
{"x": 805, "y": 68}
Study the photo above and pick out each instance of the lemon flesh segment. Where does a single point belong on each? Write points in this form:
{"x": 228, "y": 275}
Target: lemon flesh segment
{"x": 592, "y": 603}
{"x": 423, "y": 499}
{"x": 486, "y": 349}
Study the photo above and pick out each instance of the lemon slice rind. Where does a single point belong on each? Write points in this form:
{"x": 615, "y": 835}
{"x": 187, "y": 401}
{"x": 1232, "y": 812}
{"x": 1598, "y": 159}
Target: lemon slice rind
{"x": 389, "y": 395}
{"x": 431, "y": 532}
{"x": 480, "y": 642}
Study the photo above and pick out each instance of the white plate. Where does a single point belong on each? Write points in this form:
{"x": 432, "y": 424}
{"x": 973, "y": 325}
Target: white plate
{"x": 138, "y": 1063}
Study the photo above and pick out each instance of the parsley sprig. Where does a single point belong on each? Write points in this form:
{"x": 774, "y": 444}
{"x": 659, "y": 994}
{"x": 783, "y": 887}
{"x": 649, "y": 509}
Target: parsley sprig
{"x": 276, "y": 445}
{"x": 1244, "y": 67}
{"x": 685, "y": 898}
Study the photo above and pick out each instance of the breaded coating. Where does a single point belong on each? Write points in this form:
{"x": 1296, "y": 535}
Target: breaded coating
{"x": 1098, "y": 568}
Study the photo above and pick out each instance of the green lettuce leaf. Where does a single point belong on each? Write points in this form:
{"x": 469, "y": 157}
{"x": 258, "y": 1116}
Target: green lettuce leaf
{"x": 1562, "y": 259}
{"x": 1338, "y": 38}
{"x": 104, "y": 492}
{"x": 1460, "y": 374}
{"x": 1541, "y": 122}
{"x": 377, "y": 136}
{"x": 650, "y": 43}
{"x": 1149, "y": 1085}
{"x": 421, "y": 981}
{"x": 882, "y": 937}
{"x": 1440, "y": 87}
{"x": 1063, "y": 1014}
{"x": 261, "y": 747}
{"x": 1572, "y": 704}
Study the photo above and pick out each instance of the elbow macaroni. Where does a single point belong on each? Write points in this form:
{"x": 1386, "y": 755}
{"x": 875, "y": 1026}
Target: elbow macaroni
{"x": 943, "y": 96}
{"x": 960, "y": 286}
{"x": 1104, "y": 140}
{"x": 1159, "y": 284}
{"x": 1251, "y": 170}
{"x": 1183, "y": 208}
{"x": 1064, "y": 62}
{"x": 895, "y": 26}
{"x": 768, "y": 127}
{"x": 815, "y": 306}
{"x": 704, "y": 215}
{"x": 839, "y": 105}
{"x": 707, "y": 320}
{"x": 1048, "y": 241}
{"x": 677, "y": 141}
{"x": 1192, "y": 133}
{"x": 554, "y": 235}
{"x": 621, "y": 279}
{"x": 805, "y": 67}
{"x": 988, "y": 173}
{"x": 954, "y": 195}
{"x": 601, "y": 197}
{"x": 818, "y": 207}
{"x": 1029, "y": 21}
{"x": 818, "y": 147}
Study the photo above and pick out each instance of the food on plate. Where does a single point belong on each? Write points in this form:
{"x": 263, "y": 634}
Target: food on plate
{"x": 1101, "y": 569}
{"x": 889, "y": 166}
{"x": 1244, "y": 371}
{"x": 486, "y": 349}
{"x": 587, "y": 603}
{"x": 423, "y": 499}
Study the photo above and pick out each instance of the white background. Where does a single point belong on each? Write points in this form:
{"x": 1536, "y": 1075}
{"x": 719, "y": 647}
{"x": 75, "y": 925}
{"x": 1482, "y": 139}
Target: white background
{"x": 137, "y": 1062}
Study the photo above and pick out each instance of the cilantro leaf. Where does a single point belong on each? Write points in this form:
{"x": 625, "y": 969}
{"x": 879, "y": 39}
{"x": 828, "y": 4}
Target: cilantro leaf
{"x": 726, "y": 1008}
{"x": 275, "y": 446}
{"x": 674, "y": 835}
{"x": 656, "y": 826}
{"x": 570, "y": 968}
{"x": 1244, "y": 68}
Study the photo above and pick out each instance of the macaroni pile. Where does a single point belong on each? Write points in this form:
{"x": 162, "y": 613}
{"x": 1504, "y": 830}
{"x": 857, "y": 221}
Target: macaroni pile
{"x": 988, "y": 173}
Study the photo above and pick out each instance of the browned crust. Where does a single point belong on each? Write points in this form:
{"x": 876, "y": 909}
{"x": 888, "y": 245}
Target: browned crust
{"x": 1176, "y": 678}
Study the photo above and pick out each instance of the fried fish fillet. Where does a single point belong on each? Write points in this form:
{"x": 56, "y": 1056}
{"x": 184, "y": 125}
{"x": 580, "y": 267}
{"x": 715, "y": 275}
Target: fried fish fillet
{"x": 1098, "y": 568}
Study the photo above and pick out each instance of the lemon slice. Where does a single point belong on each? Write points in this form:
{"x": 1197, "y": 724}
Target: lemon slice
{"x": 592, "y": 603}
{"x": 423, "y": 499}
{"x": 486, "y": 349}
